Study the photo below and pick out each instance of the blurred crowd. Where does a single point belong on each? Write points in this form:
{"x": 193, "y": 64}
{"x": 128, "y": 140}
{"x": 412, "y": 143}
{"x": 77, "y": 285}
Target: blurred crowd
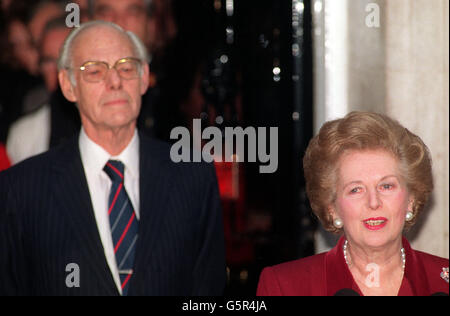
{"x": 34, "y": 115}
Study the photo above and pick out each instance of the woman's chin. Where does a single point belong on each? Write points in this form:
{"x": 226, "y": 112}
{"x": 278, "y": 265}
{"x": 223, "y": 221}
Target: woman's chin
{"x": 379, "y": 240}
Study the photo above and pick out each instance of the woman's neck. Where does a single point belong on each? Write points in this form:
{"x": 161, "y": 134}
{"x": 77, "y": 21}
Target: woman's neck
{"x": 377, "y": 271}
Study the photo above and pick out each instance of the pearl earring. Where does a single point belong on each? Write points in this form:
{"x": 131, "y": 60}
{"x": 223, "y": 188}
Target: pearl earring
{"x": 409, "y": 216}
{"x": 337, "y": 222}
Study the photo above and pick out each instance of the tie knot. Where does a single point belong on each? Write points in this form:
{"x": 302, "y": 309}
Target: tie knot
{"x": 114, "y": 169}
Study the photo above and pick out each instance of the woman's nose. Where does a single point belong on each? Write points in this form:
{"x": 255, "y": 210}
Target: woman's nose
{"x": 374, "y": 199}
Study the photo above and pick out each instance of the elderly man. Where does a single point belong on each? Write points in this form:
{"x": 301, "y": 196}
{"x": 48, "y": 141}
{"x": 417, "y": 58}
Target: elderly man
{"x": 109, "y": 213}
{"x": 137, "y": 16}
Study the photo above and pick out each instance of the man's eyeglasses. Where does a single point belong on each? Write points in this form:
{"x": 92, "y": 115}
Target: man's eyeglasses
{"x": 95, "y": 71}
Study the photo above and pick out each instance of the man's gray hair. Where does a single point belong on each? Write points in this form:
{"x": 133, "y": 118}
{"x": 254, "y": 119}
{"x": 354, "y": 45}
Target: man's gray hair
{"x": 65, "y": 61}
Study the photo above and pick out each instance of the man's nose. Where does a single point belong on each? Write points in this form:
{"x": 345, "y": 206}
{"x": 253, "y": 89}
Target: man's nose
{"x": 113, "y": 79}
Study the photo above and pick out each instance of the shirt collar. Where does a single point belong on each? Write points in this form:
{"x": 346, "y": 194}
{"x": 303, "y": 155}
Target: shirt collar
{"x": 94, "y": 157}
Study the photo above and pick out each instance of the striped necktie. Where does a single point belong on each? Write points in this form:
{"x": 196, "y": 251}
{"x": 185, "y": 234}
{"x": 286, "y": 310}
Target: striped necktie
{"x": 123, "y": 221}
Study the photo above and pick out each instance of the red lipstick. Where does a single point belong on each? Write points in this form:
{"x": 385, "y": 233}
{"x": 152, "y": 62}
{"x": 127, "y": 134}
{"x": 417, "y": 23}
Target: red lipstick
{"x": 375, "y": 223}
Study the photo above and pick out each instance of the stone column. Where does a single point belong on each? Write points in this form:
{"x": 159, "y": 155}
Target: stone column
{"x": 417, "y": 75}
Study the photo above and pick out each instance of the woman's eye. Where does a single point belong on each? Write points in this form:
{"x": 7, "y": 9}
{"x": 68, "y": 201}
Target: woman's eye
{"x": 387, "y": 186}
{"x": 355, "y": 190}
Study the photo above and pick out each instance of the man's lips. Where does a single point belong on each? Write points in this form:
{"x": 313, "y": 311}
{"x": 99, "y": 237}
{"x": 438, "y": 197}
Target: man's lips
{"x": 375, "y": 223}
{"x": 116, "y": 102}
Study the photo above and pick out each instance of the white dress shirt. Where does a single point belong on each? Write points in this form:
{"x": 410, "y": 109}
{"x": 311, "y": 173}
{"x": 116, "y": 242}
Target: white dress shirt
{"x": 94, "y": 159}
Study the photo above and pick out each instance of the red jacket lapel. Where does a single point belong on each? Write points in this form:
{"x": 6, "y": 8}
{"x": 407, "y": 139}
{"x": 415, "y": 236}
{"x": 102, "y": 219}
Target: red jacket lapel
{"x": 415, "y": 272}
{"x": 338, "y": 275}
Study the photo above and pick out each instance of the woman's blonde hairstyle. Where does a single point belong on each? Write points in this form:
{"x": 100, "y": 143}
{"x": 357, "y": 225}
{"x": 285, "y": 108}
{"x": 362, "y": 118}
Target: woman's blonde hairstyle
{"x": 364, "y": 131}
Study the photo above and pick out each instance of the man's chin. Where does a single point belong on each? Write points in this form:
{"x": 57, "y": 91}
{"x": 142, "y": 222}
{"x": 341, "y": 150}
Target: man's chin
{"x": 121, "y": 122}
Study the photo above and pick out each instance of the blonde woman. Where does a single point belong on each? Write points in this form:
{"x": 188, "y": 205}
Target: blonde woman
{"x": 368, "y": 179}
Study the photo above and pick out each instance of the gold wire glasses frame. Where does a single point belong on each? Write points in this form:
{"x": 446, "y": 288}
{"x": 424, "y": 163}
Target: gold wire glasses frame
{"x": 128, "y": 68}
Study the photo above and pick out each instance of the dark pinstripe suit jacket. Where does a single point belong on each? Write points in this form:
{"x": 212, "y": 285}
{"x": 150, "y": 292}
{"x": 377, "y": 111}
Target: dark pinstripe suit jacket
{"x": 47, "y": 222}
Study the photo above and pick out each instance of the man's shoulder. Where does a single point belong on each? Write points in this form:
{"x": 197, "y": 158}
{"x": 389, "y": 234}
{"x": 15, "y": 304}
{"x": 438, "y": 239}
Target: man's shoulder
{"x": 154, "y": 146}
{"x": 157, "y": 154}
{"x": 24, "y": 178}
{"x": 38, "y": 165}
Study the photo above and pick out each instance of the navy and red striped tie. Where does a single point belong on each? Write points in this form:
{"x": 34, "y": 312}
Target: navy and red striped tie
{"x": 123, "y": 221}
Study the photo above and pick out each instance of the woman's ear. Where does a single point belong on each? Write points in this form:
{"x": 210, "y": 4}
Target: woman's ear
{"x": 332, "y": 211}
{"x": 66, "y": 86}
{"x": 411, "y": 204}
{"x": 335, "y": 219}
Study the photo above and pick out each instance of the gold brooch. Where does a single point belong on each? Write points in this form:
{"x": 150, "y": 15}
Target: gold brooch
{"x": 444, "y": 274}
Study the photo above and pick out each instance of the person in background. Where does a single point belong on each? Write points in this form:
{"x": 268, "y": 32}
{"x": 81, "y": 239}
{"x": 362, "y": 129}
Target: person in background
{"x": 85, "y": 14}
{"x": 367, "y": 178}
{"x": 43, "y": 11}
{"x": 131, "y": 15}
{"x": 31, "y": 134}
{"x": 162, "y": 29}
{"x": 53, "y": 36}
{"x": 52, "y": 120}
{"x": 110, "y": 201}
{"x": 22, "y": 47}
{"x": 18, "y": 63}
{"x": 5, "y": 5}
{"x": 4, "y": 160}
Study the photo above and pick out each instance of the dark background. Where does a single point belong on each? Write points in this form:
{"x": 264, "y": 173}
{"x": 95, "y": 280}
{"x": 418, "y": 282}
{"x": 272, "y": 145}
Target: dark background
{"x": 278, "y": 225}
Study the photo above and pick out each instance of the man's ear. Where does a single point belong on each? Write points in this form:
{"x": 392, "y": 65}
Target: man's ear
{"x": 66, "y": 86}
{"x": 145, "y": 78}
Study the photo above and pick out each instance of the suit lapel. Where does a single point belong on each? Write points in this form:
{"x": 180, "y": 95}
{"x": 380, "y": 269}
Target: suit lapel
{"x": 338, "y": 276}
{"x": 415, "y": 272}
{"x": 154, "y": 195}
{"x": 74, "y": 202}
